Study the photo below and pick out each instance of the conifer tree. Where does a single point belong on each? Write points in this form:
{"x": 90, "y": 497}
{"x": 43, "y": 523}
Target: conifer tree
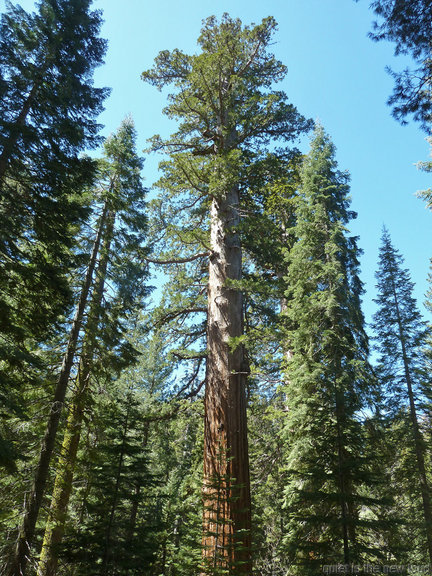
{"x": 121, "y": 188}
{"x": 326, "y": 372}
{"x": 127, "y": 502}
{"x": 409, "y": 25}
{"x": 34, "y": 498}
{"x": 104, "y": 541}
{"x": 401, "y": 336}
{"x": 48, "y": 110}
{"x": 228, "y": 115}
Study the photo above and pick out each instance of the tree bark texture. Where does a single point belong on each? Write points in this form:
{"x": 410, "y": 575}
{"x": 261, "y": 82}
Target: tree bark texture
{"x": 226, "y": 487}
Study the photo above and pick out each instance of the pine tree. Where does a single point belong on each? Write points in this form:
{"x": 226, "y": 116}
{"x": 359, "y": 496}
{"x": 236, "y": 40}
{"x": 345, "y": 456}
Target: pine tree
{"x": 228, "y": 114}
{"x": 326, "y": 373}
{"x": 49, "y": 105}
{"x": 179, "y": 445}
{"x": 126, "y": 502}
{"x": 401, "y": 336}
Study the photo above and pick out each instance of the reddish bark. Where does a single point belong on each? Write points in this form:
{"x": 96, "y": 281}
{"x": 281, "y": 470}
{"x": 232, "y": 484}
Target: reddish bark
{"x": 226, "y": 488}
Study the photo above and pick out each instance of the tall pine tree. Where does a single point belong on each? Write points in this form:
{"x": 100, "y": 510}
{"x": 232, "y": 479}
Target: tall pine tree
{"x": 122, "y": 249}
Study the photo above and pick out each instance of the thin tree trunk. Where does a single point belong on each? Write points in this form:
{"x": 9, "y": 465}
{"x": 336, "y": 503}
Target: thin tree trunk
{"x": 63, "y": 485}
{"x": 65, "y": 470}
{"x": 419, "y": 445}
{"x": 226, "y": 486}
{"x": 24, "y": 542}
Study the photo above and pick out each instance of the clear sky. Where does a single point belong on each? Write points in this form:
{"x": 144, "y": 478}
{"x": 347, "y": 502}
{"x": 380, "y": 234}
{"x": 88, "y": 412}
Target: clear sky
{"x": 336, "y": 74}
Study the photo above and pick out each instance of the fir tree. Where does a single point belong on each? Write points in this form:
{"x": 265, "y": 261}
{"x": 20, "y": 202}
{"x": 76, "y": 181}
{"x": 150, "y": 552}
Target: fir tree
{"x": 409, "y": 25}
{"x": 326, "y": 372}
{"x": 401, "y": 336}
{"x": 33, "y": 502}
{"x": 109, "y": 538}
{"x": 48, "y": 110}
{"x": 122, "y": 190}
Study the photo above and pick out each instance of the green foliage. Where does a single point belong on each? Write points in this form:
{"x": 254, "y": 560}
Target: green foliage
{"x": 400, "y": 332}
{"x": 123, "y": 280}
{"x": 228, "y": 113}
{"x": 334, "y": 461}
{"x": 110, "y": 538}
{"x": 401, "y": 337}
{"x": 408, "y": 25}
{"x": 326, "y": 375}
{"x": 268, "y": 479}
{"x": 48, "y": 113}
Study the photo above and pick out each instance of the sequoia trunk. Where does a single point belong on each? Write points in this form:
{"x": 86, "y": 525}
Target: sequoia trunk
{"x": 226, "y": 488}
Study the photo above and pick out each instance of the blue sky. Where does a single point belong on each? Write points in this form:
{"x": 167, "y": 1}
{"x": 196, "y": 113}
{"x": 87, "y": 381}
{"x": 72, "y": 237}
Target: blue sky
{"x": 336, "y": 74}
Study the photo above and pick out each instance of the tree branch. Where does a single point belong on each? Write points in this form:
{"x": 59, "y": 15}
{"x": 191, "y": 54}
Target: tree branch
{"x": 178, "y": 260}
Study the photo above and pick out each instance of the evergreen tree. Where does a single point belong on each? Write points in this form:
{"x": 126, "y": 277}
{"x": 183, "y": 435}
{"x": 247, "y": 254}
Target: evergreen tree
{"x": 179, "y": 445}
{"x": 122, "y": 190}
{"x": 48, "y": 110}
{"x": 326, "y": 373}
{"x": 156, "y": 521}
{"x": 401, "y": 336}
{"x": 110, "y": 537}
{"x": 228, "y": 116}
{"x": 409, "y": 25}
{"x": 49, "y": 105}
{"x": 33, "y": 501}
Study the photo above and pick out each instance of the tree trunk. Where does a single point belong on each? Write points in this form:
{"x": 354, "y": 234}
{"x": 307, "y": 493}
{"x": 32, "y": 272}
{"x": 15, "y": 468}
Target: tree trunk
{"x": 23, "y": 545}
{"x": 65, "y": 470}
{"x": 226, "y": 486}
{"x": 63, "y": 484}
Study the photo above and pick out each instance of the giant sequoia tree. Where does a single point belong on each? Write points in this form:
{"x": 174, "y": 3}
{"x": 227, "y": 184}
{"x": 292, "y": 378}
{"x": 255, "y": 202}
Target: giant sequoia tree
{"x": 228, "y": 115}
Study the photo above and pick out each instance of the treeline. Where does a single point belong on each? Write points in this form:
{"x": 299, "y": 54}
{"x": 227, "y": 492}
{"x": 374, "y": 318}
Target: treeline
{"x": 239, "y": 426}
